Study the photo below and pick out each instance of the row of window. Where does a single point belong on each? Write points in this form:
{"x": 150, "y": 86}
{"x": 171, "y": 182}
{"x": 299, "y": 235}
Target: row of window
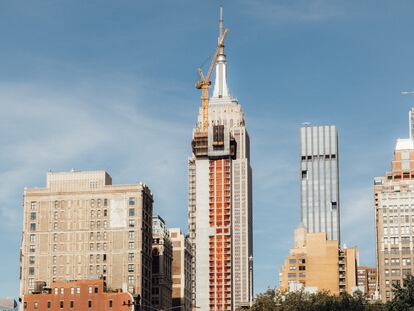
{"x": 56, "y": 203}
{"x": 62, "y": 304}
{"x": 396, "y": 261}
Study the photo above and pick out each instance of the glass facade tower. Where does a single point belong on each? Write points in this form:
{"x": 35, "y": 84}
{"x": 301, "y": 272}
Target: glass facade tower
{"x": 320, "y": 211}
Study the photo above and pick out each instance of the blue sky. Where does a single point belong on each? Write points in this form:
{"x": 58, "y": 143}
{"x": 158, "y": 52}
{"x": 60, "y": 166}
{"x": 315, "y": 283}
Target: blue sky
{"x": 110, "y": 85}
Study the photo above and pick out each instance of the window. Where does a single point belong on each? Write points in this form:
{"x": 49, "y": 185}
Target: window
{"x": 104, "y": 246}
{"x": 72, "y": 290}
{"x": 131, "y": 245}
{"x": 77, "y": 290}
{"x": 33, "y": 216}
{"x": 32, "y": 248}
{"x": 32, "y": 227}
{"x": 105, "y": 212}
{"x": 104, "y": 257}
{"x": 105, "y": 202}
{"x": 131, "y": 201}
{"x": 36, "y": 305}
{"x": 55, "y": 215}
{"x": 131, "y": 279}
{"x": 31, "y": 260}
{"x": 49, "y": 304}
{"x": 56, "y": 204}
{"x": 131, "y": 223}
{"x": 25, "y": 305}
{"x": 131, "y": 256}
{"x": 56, "y": 290}
{"x": 130, "y": 268}
{"x": 31, "y": 270}
{"x": 31, "y": 283}
{"x": 72, "y": 304}
{"x": 89, "y": 303}
{"x": 91, "y": 246}
{"x": 131, "y": 212}
{"x": 90, "y": 290}
{"x": 32, "y": 238}
{"x": 96, "y": 289}
{"x": 54, "y": 271}
{"x": 33, "y": 205}
{"x": 110, "y": 303}
{"x": 62, "y": 290}
{"x": 61, "y": 304}
{"x": 55, "y": 226}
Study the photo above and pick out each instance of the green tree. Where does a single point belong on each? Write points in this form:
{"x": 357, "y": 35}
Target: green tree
{"x": 403, "y": 296}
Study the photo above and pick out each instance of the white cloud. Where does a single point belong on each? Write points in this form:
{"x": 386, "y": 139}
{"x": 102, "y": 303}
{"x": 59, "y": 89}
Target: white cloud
{"x": 88, "y": 128}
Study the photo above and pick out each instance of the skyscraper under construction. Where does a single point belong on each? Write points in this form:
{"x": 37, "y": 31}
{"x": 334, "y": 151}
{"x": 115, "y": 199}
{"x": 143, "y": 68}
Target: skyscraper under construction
{"x": 220, "y": 196}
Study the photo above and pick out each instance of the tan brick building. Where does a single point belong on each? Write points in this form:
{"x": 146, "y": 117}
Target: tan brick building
{"x": 316, "y": 264}
{"x": 161, "y": 265}
{"x": 394, "y": 218}
{"x": 91, "y": 295}
{"x": 80, "y": 226}
{"x": 181, "y": 270}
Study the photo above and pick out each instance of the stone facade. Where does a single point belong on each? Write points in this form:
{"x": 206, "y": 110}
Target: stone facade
{"x": 81, "y": 226}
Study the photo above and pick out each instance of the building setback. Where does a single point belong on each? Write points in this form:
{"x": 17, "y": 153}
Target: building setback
{"x": 91, "y": 295}
{"x": 161, "y": 265}
{"x": 394, "y": 219}
{"x": 81, "y": 226}
{"x": 220, "y": 203}
{"x": 320, "y": 210}
{"x": 317, "y": 264}
{"x": 181, "y": 271}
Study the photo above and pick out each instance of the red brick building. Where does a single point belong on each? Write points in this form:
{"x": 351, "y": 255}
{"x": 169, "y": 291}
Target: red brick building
{"x": 367, "y": 278}
{"x": 83, "y": 295}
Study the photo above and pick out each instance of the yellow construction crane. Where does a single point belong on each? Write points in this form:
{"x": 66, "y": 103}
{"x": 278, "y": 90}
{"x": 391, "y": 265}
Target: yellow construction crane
{"x": 205, "y": 82}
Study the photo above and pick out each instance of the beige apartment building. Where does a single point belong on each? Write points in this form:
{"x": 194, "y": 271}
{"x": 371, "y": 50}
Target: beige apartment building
{"x": 181, "y": 270}
{"x": 81, "y": 226}
{"x": 394, "y": 218}
{"x": 316, "y": 263}
{"x": 161, "y": 265}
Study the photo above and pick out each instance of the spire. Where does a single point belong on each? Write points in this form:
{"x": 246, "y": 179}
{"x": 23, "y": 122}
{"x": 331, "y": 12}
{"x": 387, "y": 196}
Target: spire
{"x": 220, "y": 84}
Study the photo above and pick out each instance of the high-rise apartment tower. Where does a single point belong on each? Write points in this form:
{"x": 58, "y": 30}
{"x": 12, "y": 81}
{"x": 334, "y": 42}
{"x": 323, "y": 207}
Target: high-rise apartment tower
{"x": 394, "y": 219}
{"x": 81, "y": 226}
{"x": 220, "y": 202}
{"x": 320, "y": 180}
{"x": 411, "y": 122}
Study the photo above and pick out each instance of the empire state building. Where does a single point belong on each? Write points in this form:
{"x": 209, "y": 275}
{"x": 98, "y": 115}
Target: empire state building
{"x": 220, "y": 199}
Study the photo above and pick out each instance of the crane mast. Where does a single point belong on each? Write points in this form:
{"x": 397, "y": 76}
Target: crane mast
{"x": 205, "y": 80}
